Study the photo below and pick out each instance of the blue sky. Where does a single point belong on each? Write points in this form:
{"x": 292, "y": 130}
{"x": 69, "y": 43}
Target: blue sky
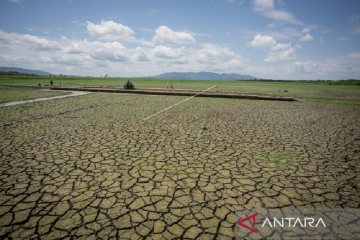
{"x": 277, "y": 39}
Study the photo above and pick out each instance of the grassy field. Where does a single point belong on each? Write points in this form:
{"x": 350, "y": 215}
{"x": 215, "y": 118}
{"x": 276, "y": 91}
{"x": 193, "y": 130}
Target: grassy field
{"x": 296, "y": 89}
{"x": 12, "y": 94}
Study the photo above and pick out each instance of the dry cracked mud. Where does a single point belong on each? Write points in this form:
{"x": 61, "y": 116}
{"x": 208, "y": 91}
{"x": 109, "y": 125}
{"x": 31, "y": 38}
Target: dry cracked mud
{"x": 91, "y": 167}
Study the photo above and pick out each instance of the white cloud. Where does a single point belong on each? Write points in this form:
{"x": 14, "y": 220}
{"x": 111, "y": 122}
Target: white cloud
{"x": 262, "y": 41}
{"x": 110, "y": 30}
{"x": 168, "y": 52}
{"x": 267, "y": 9}
{"x": 307, "y": 66}
{"x": 214, "y": 53}
{"x": 343, "y": 67}
{"x": 167, "y": 36}
{"x": 110, "y": 51}
{"x": 305, "y": 30}
{"x": 84, "y": 57}
{"x": 286, "y": 33}
{"x": 280, "y": 47}
{"x": 260, "y": 5}
{"x": 281, "y": 52}
{"x": 307, "y": 37}
{"x": 196, "y": 34}
{"x": 140, "y": 55}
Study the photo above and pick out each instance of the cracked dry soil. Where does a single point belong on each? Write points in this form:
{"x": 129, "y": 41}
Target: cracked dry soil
{"x": 91, "y": 167}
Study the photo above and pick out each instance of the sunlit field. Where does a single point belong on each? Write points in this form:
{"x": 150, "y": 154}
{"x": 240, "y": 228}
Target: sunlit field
{"x": 309, "y": 90}
{"x": 92, "y": 167}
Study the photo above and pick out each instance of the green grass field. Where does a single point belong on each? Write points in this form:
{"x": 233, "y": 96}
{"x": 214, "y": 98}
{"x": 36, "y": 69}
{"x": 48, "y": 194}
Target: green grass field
{"x": 295, "y": 89}
{"x": 12, "y": 94}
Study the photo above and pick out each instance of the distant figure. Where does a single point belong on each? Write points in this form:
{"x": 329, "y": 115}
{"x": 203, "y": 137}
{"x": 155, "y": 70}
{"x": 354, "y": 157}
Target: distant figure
{"x": 39, "y": 85}
{"x": 129, "y": 85}
{"x": 51, "y": 82}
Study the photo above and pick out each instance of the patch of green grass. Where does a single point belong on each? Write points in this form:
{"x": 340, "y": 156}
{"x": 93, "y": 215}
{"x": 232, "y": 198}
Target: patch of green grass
{"x": 279, "y": 158}
{"x": 12, "y": 94}
{"x": 295, "y": 89}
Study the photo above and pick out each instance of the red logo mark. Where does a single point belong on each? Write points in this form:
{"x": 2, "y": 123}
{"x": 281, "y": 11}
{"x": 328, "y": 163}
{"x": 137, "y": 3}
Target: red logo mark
{"x": 247, "y": 227}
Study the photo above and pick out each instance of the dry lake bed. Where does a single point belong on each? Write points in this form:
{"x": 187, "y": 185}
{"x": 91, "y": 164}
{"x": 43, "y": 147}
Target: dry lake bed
{"x": 91, "y": 167}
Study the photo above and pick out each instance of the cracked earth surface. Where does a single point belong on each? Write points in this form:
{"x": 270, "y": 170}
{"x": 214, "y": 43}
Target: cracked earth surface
{"x": 91, "y": 167}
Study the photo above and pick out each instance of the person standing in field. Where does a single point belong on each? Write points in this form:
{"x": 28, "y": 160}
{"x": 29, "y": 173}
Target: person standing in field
{"x": 51, "y": 82}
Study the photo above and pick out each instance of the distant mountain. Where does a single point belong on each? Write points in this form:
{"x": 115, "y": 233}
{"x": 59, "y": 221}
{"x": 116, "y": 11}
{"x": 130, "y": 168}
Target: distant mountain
{"x": 203, "y": 76}
{"x": 22, "y": 70}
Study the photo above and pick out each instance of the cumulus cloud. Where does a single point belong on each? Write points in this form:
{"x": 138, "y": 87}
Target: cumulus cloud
{"x": 267, "y": 9}
{"x": 165, "y": 35}
{"x": 209, "y": 56}
{"x": 307, "y": 66}
{"x": 29, "y": 41}
{"x": 282, "y": 52}
{"x": 110, "y": 30}
{"x": 280, "y": 47}
{"x": 307, "y": 37}
{"x": 110, "y": 51}
{"x": 315, "y": 67}
{"x": 141, "y": 55}
{"x": 168, "y": 52}
{"x": 343, "y": 67}
{"x": 283, "y": 55}
{"x": 262, "y": 41}
{"x": 84, "y": 57}
{"x": 214, "y": 53}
